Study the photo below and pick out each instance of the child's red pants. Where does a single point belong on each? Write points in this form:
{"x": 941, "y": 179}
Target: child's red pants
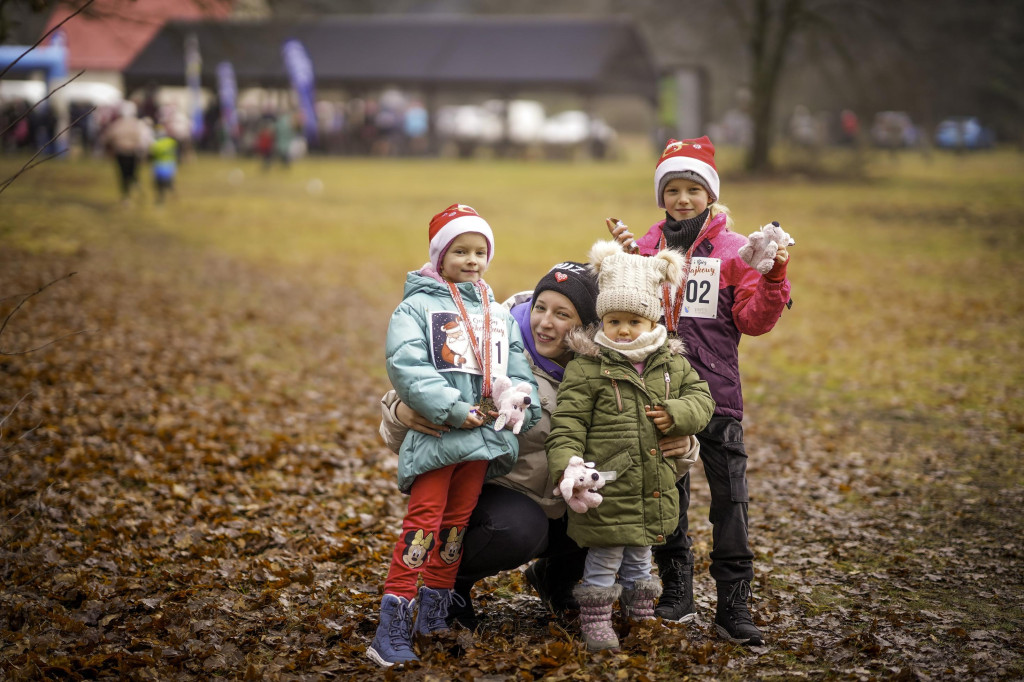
{"x": 440, "y": 503}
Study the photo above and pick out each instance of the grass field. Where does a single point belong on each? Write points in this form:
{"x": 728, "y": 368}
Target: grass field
{"x": 889, "y": 399}
{"x": 907, "y": 283}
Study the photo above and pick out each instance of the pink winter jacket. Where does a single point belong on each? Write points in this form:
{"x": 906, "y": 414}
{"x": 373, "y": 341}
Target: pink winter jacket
{"x": 747, "y": 304}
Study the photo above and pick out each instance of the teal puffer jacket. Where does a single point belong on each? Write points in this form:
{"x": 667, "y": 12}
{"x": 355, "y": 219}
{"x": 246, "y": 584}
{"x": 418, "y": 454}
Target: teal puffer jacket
{"x": 446, "y": 397}
{"x": 600, "y": 417}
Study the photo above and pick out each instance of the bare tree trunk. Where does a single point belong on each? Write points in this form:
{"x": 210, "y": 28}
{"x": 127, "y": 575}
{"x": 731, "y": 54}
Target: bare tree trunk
{"x": 769, "y": 35}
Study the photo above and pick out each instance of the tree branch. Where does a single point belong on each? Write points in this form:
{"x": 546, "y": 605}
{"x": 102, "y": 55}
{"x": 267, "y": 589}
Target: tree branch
{"x": 29, "y": 165}
{"x": 45, "y": 36}
{"x": 32, "y": 108}
{"x": 18, "y": 307}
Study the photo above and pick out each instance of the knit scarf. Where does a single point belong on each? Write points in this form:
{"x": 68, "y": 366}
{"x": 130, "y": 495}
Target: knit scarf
{"x": 640, "y": 348}
{"x": 680, "y": 234}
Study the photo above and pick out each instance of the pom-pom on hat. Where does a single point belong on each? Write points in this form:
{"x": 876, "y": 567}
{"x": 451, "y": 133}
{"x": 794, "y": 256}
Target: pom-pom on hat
{"x": 632, "y": 283}
{"x": 690, "y": 159}
{"x": 450, "y": 223}
{"x": 577, "y": 283}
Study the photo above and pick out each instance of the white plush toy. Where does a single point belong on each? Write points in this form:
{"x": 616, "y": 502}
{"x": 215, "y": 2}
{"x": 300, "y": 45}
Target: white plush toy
{"x": 580, "y": 484}
{"x": 511, "y": 403}
{"x": 761, "y": 247}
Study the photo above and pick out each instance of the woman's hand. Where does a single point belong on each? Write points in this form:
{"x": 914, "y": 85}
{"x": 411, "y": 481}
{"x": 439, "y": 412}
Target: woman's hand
{"x": 661, "y": 418}
{"x": 675, "y": 446}
{"x": 417, "y": 422}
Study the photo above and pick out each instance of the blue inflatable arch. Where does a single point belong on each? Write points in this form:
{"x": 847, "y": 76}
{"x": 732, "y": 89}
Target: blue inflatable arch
{"x": 52, "y": 59}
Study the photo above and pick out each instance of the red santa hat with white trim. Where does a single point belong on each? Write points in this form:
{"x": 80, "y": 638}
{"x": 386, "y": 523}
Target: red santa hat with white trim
{"x": 450, "y": 223}
{"x": 690, "y": 159}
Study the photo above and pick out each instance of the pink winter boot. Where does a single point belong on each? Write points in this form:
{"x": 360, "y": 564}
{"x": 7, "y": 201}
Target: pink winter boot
{"x": 638, "y": 603}
{"x": 596, "y": 615}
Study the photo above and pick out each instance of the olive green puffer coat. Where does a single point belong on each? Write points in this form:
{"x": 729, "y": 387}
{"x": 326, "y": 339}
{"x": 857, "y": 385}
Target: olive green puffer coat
{"x": 600, "y": 417}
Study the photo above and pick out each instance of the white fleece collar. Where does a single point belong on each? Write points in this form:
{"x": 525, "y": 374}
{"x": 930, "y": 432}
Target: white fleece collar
{"x": 640, "y": 348}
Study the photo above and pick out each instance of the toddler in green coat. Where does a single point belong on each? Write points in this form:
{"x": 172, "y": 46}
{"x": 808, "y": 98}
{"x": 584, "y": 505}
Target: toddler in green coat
{"x": 628, "y": 386}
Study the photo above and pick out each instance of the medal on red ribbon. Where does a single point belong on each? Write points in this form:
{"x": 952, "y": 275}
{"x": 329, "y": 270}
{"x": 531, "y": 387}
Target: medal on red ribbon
{"x": 482, "y": 351}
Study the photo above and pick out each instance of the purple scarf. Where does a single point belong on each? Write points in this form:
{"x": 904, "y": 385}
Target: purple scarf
{"x": 521, "y": 314}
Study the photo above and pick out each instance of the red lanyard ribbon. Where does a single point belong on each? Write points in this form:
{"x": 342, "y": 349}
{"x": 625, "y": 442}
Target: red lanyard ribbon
{"x": 672, "y": 306}
{"x": 482, "y": 359}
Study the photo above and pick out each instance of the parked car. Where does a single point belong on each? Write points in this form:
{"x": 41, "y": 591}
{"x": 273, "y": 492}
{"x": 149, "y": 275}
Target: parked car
{"x": 964, "y": 132}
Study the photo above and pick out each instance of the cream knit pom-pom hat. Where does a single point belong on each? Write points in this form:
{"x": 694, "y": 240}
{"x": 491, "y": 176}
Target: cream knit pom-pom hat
{"x": 632, "y": 283}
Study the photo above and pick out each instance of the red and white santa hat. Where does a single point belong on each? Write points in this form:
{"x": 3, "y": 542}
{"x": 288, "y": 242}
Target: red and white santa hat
{"x": 690, "y": 159}
{"x": 450, "y": 223}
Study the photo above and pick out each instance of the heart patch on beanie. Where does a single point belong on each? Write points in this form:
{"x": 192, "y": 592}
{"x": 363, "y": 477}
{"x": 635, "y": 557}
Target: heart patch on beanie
{"x": 561, "y": 276}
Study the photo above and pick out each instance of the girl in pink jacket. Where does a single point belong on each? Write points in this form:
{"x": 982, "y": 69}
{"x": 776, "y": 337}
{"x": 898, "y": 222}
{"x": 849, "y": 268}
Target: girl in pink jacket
{"x": 723, "y": 297}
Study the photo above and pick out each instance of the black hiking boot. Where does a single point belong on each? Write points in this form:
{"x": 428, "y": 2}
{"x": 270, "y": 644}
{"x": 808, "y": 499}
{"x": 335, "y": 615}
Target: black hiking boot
{"x": 460, "y": 611}
{"x": 554, "y": 590}
{"x": 732, "y": 617}
{"x": 676, "y": 603}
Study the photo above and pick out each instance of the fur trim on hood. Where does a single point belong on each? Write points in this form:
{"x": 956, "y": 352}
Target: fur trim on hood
{"x": 581, "y": 341}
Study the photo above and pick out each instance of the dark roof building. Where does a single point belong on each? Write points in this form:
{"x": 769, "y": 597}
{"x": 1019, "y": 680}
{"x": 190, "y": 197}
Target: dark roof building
{"x": 503, "y": 55}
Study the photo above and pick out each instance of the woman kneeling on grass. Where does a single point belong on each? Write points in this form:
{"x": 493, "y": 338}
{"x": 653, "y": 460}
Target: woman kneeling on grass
{"x": 518, "y": 518}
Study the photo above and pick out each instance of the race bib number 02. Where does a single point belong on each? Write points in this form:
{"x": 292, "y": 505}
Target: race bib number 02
{"x": 701, "y": 290}
{"x": 451, "y": 350}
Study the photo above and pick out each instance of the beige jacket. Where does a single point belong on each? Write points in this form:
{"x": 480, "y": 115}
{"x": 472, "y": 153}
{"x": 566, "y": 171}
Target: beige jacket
{"x": 127, "y": 135}
{"x": 530, "y": 473}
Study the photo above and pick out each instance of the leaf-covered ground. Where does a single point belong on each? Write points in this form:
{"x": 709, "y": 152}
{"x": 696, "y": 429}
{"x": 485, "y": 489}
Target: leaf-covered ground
{"x": 193, "y": 488}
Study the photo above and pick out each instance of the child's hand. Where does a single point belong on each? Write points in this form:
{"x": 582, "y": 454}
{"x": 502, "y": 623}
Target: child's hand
{"x": 779, "y": 265}
{"x": 473, "y": 419}
{"x": 622, "y": 234}
{"x": 660, "y": 417}
{"x": 782, "y": 255}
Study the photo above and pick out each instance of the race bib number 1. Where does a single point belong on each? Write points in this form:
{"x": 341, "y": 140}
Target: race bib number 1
{"x": 451, "y": 350}
{"x": 701, "y": 291}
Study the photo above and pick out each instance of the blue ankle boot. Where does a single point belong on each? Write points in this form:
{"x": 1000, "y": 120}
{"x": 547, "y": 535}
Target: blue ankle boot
{"x": 393, "y": 641}
{"x": 433, "y": 609}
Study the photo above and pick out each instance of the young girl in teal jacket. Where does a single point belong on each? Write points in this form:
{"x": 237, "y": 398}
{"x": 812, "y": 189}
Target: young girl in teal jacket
{"x": 446, "y": 342}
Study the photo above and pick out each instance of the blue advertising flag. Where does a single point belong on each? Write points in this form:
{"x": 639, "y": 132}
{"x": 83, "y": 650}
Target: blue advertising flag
{"x": 227, "y": 91}
{"x": 300, "y": 73}
{"x": 193, "y": 72}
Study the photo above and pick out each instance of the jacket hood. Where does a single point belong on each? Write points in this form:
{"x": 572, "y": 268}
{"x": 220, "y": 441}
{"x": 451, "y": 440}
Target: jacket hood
{"x": 581, "y": 341}
{"x": 426, "y": 280}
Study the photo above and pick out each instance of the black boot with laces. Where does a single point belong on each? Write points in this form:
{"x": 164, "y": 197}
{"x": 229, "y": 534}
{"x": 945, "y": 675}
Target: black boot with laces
{"x": 732, "y": 617}
{"x": 553, "y": 586}
{"x": 676, "y": 603}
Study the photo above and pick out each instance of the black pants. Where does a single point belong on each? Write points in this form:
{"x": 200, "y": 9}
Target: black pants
{"x": 508, "y": 529}
{"x": 725, "y": 467}
{"x": 127, "y": 165}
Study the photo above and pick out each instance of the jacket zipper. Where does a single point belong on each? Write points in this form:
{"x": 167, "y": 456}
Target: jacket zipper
{"x": 618, "y": 397}
{"x": 668, "y": 383}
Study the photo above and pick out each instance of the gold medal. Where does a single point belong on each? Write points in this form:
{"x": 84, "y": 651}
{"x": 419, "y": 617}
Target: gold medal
{"x": 486, "y": 407}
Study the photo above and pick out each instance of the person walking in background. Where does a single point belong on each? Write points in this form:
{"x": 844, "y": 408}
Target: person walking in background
{"x": 127, "y": 139}
{"x": 722, "y": 299}
{"x": 628, "y": 387}
{"x": 446, "y": 342}
{"x": 163, "y": 155}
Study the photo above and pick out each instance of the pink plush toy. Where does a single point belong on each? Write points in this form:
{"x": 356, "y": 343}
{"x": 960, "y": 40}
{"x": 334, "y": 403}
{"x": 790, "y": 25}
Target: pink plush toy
{"x": 511, "y": 403}
{"x": 761, "y": 247}
{"x": 579, "y": 486}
